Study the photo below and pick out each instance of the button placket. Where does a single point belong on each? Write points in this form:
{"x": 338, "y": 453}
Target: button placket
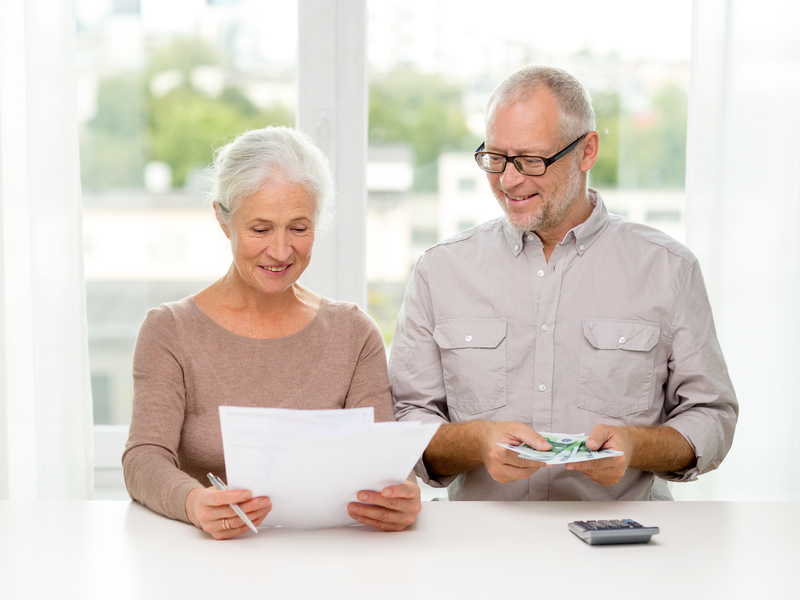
{"x": 544, "y": 355}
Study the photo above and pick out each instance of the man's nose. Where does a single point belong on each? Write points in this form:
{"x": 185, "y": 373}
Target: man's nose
{"x": 510, "y": 175}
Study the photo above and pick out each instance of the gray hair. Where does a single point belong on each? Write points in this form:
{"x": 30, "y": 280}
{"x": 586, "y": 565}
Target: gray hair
{"x": 257, "y": 157}
{"x": 574, "y": 102}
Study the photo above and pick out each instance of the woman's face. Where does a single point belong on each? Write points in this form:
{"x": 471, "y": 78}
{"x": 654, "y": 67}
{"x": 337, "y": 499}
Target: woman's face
{"x": 272, "y": 236}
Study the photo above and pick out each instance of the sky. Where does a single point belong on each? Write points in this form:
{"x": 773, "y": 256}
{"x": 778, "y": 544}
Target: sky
{"x": 458, "y": 33}
{"x": 656, "y": 30}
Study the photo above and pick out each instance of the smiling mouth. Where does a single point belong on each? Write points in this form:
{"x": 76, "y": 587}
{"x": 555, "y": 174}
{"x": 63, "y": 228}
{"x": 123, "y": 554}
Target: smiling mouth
{"x": 521, "y": 198}
{"x": 276, "y": 269}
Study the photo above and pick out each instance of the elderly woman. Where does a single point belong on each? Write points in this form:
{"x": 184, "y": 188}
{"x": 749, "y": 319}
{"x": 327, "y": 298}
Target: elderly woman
{"x": 255, "y": 337}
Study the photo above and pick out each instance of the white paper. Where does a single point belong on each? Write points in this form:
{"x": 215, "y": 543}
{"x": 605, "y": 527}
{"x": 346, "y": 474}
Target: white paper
{"x": 311, "y": 464}
{"x": 255, "y": 439}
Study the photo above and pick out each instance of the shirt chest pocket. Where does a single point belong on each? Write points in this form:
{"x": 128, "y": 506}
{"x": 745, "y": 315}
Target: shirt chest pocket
{"x": 473, "y": 355}
{"x": 616, "y": 365}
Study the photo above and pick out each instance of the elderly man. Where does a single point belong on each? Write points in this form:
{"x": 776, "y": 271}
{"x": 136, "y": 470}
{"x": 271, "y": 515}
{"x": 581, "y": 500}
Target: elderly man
{"x": 559, "y": 317}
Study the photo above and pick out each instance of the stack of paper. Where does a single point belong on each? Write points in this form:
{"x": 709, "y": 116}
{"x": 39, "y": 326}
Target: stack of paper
{"x": 312, "y": 463}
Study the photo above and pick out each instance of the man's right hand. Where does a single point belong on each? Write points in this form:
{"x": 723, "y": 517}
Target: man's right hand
{"x": 504, "y": 465}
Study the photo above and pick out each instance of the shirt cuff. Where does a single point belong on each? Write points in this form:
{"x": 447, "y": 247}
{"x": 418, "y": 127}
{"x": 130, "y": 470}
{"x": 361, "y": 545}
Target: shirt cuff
{"x": 700, "y": 465}
{"x": 434, "y": 481}
{"x": 685, "y": 475}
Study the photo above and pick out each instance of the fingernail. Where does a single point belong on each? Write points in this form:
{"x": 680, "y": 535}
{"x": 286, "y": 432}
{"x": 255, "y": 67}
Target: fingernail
{"x": 362, "y": 496}
{"x": 386, "y": 492}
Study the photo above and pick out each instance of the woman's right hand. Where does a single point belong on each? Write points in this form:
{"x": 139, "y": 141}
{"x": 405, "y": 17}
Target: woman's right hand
{"x": 210, "y": 510}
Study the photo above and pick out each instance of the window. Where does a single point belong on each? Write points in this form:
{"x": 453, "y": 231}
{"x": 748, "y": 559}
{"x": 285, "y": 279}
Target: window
{"x": 160, "y": 85}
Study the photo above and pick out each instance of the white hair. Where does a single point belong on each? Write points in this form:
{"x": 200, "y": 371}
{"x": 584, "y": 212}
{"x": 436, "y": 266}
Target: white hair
{"x": 574, "y": 102}
{"x": 260, "y": 156}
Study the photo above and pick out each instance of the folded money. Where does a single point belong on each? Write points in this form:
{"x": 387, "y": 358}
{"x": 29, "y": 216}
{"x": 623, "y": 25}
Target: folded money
{"x": 567, "y": 448}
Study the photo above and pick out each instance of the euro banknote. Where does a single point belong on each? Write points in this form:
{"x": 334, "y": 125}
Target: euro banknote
{"x": 567, "y": 448}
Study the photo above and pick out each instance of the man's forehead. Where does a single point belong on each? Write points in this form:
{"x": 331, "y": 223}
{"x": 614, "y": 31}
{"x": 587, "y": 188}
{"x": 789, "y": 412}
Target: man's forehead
{"x": 527, "y": 126}
{"x": 521, "y": 132}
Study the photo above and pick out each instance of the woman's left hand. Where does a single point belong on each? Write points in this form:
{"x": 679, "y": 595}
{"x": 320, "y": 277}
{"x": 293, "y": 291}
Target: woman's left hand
{"x": 392, "y": 509}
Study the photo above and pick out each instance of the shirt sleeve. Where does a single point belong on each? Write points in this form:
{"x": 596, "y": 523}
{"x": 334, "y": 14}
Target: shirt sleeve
{"x": 415, "y": 365}
{"x": 699, "y": 402}
{"x": 150, "y": 462}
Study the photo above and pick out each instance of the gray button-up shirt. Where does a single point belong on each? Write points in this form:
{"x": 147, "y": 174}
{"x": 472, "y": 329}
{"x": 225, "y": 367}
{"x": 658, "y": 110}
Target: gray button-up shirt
{"x": 616, "y": 328}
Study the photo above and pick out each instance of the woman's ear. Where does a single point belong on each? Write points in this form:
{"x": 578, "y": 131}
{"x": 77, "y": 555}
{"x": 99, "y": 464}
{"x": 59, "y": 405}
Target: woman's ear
{"x": 222, "y": 224}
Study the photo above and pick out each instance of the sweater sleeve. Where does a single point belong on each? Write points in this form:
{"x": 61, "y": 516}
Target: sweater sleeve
{"x": 150, "y": 462}
{"x": 369, "y": 385}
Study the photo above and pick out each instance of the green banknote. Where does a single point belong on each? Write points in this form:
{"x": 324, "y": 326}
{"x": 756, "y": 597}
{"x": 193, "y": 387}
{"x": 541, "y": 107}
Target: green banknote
{"x": 567, "y": 448}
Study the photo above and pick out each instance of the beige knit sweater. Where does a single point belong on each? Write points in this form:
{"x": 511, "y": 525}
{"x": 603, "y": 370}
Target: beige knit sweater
{"x": 186, "y": 365}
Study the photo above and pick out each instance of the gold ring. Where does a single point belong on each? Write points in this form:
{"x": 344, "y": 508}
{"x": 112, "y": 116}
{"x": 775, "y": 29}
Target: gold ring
{"x": 225, "y": 525}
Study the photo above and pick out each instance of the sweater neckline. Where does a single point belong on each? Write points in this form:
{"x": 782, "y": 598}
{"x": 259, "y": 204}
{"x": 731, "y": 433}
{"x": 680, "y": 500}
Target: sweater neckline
{"x": 298, "y": 335}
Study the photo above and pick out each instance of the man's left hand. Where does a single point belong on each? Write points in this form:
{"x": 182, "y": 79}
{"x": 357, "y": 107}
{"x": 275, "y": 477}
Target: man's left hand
{"x": 606, "y": 471}
{"x": 392, "y": 509}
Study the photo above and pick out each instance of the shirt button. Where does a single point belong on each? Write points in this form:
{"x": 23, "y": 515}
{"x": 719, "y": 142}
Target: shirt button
{"x": 622, "y": 339}
{"x": 544, "y": 327}
{"x": 468, "y": 338}
{"x": 580, "y": 247}
{"x": 542, "y": 387}
{"x": 530, "y": 237}
{"x": 540, "y": 273}
{"x": 516, "y": 247}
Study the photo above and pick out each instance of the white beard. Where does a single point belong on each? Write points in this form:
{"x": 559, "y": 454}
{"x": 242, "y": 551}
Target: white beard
{"x": 552, "y": 212}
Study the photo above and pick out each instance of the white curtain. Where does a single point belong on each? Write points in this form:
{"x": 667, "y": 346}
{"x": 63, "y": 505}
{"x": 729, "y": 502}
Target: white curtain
{"x": 743, "y": 223}
{"x": 45, "y": 397}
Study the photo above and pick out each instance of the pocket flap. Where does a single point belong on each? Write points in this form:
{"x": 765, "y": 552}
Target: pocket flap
{"x": 621, "y": 334}
{"x": 469, "y": 333}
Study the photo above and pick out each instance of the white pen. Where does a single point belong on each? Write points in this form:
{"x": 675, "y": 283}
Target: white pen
{"x": 217, "y": 483}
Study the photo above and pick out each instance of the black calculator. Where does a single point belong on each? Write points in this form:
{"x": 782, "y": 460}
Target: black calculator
{"x": 620, "y": 531}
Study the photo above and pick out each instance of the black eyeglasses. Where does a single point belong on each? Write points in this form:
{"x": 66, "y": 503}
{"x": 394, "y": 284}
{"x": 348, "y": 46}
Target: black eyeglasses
{"x": 527, "y": 165}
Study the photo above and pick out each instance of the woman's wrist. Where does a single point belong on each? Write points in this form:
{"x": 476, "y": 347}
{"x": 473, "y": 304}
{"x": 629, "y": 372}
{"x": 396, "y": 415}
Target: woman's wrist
{"x": 191, "y": 512}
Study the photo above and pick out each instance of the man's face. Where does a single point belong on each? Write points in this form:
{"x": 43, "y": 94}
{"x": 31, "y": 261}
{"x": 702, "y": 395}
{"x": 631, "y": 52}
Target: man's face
{"x": 530, "y": 128}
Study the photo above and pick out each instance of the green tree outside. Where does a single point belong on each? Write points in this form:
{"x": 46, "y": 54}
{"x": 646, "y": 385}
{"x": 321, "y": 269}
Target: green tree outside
{"x": 653, "y": 152}
{"x": 113, "y": 147}
{"x": 606, "y": 109}
{"x": 422, "y": 110}
{"x": 181, "y": 127}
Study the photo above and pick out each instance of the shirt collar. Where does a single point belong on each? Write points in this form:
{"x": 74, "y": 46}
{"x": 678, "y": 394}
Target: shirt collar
{"x": 583, "y": 235}
{"x": 514, "y": 237}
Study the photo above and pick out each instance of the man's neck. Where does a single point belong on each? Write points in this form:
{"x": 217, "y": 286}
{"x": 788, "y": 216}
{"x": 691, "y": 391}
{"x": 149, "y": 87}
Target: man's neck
{"x": 578, "y": 212}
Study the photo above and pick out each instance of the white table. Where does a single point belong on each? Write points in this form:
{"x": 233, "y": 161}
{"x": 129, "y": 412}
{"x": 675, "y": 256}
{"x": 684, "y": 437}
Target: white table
{"x": 116, "y": 550}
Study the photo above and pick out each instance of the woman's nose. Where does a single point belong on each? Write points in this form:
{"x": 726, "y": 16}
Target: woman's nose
{"x": 280, "y": 247}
